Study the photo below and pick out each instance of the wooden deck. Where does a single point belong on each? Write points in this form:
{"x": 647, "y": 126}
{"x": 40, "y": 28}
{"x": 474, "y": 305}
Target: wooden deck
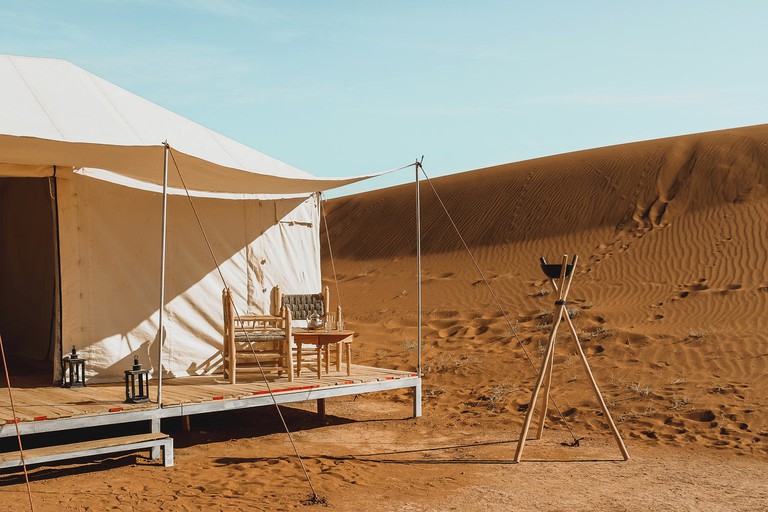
{"x": 45, "y": 409}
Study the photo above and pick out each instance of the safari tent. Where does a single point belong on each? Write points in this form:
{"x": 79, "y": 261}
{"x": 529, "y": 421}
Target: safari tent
{"x": 85, "y": 170}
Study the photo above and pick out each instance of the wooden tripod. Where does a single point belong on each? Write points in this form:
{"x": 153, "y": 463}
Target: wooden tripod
{"x": 564, "y": 273}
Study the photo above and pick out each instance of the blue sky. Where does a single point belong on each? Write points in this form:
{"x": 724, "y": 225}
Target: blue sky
{"x": 341, "y": 88}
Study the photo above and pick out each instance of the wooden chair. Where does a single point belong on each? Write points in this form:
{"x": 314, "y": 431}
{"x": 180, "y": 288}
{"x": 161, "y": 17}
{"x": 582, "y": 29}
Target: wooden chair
{"x": 256, "y": 343}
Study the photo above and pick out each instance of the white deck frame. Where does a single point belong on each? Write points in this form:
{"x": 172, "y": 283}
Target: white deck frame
{"x": 187, "y": 409}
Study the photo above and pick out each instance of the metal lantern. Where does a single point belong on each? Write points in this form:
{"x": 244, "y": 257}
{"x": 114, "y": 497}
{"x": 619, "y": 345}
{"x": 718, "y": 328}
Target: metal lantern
{"x": 136, "y": 383}
{"x": 74, "y": 375}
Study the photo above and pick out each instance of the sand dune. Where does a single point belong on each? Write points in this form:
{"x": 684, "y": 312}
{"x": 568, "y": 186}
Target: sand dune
{"x": 631, "y": 188}
{"x": 669, "y": 295}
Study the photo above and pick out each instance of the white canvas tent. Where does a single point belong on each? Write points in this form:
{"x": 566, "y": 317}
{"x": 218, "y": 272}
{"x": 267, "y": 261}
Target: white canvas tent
{"x": 81, "y": 175}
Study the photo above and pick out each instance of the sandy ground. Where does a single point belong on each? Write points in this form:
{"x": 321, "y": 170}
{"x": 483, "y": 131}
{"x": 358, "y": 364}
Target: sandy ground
{"x": 384, "y": 461}
{"x": 669, "y": 300}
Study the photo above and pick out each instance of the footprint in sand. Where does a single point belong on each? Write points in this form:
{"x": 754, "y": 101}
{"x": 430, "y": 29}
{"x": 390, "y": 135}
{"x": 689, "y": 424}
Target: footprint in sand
{"x": 655, "y": 316}
{"x": 439, "y": 277}
{"x": 699, "y": 286}
{"x": 702, "y": 286}
{"x": 440, "y": 325}
{"x": 730, "y": 288}
{"x": 452, "y": 331}
{"x": 704, "y": 416}
{"x": 447, "y": 313}
{"x": 477, "y": 331}
{"x": 686, "y": 289}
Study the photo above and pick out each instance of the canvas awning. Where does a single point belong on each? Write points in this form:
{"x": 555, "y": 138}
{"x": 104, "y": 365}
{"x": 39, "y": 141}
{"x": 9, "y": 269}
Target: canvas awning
{"x": 57, "y": 114}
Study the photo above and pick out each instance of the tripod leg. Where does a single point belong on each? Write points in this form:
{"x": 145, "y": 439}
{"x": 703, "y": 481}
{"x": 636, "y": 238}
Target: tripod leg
{"x": 600, "y": 399}
{"x": 547, "y": 387}
{"x": 542, "y": 374}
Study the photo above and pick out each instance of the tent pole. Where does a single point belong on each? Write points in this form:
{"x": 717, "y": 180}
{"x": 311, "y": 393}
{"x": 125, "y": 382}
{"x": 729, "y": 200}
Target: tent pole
{"x": 161, "y": 312}
{"x": 418, "y": 266}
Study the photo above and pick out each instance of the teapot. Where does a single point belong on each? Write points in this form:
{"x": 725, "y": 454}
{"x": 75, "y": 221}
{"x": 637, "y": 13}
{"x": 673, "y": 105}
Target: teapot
{"x": 314, "y": 321}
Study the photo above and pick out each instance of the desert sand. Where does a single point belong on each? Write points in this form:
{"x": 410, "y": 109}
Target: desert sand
{"x": 669, "y": 299}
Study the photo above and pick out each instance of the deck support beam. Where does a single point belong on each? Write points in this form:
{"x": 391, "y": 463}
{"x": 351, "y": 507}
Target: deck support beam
{"x": 154, "y": 428}
{"x": 417, "y": 399}
{"x": 321, "y": 409}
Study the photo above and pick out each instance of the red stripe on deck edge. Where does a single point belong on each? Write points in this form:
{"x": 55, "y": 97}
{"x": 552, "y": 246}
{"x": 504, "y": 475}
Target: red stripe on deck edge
{"x": 218, "y": 398}
{"x": 283, "y": 390}
{"x": 116, "y": 409}
{"x": 390, "y": 378}
{"x": 17, "y": 420}
{"x": 41, "y": 418}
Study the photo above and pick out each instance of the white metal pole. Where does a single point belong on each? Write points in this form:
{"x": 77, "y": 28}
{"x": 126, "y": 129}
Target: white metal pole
{"x": 418, "y": 265}
{"x": 161, "y": 312}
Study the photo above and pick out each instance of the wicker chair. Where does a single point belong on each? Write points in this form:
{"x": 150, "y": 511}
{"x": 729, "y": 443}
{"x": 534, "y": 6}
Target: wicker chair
{"x": 301, "y": 306}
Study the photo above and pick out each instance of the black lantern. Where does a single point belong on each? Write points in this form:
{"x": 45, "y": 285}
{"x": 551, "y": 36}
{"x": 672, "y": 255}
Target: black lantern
{"x": 74, "y": 375}
{"x": 136, "y": 383}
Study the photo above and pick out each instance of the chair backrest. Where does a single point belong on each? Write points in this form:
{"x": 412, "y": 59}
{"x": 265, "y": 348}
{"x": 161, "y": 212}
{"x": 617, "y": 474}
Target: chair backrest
{"x": 301, "y": 305}
{"x": 304, "y": 304}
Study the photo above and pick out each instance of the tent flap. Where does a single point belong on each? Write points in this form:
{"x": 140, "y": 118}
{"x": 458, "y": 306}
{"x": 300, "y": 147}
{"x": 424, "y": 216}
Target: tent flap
{"x": 81, "y": 121}
{"x": 15, "y": 170}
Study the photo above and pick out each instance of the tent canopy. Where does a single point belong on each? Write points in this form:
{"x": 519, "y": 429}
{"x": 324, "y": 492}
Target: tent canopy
{"x": 57, "y": 114}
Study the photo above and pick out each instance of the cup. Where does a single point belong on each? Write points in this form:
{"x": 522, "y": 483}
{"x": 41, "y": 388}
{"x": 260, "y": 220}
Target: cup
{"x": 329, "y": 321}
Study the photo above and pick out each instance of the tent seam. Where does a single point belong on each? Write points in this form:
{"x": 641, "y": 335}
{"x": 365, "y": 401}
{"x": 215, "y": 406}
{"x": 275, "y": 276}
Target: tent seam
{"x": 37, "y": 98}
{"x": 216, "y": 140}
{"x": 117, "y": 111}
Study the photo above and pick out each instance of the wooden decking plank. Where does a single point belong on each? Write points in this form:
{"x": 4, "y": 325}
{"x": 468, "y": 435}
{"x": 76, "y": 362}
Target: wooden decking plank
{"x": 28, "y": 397}
{"x": 187, "y": 395}
{"x": 102, "y": 394}
{"x": 22, "y": 414}
{"x": 34, "y": 411}
{"x": 175, "y": 398}
{"x": 306, "y": 381}
{"x": 226, "y": 391}
{"x": 21, "y": 398}
{"x": 55, "y": 411}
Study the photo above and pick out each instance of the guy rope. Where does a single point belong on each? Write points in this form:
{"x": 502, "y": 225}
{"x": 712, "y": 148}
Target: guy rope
{"x": 314, "y": 498}
{"x": 16, "y": 423}
{"x": 511, "y": 327}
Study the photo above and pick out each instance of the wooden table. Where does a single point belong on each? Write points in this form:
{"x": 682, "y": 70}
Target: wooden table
{"x": 322, "y": 340}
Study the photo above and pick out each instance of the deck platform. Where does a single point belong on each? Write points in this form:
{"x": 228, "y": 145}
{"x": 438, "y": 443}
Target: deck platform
{"x": 49, "y": 409}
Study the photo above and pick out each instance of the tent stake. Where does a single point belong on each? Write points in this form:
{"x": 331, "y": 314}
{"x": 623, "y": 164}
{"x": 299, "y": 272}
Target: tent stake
{"x": 162, "y": 279}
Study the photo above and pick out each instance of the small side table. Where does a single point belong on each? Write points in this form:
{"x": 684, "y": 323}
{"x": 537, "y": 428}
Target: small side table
{"x": 322, "y": 341}
{"x": 75, "y": 371}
